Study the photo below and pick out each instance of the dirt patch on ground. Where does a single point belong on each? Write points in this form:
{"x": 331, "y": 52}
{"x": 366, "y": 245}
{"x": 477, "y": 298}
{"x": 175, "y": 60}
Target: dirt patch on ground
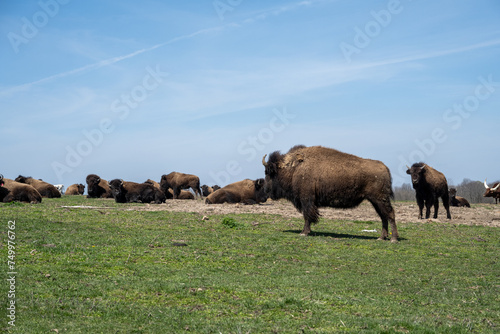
{"x": 480, "y": 214}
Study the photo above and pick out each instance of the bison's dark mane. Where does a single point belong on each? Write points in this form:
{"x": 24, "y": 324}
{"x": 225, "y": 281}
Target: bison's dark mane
{"x": 418, "y": 164}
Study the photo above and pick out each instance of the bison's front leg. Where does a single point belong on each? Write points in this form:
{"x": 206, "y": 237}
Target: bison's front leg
{"x": 420, "y": 202}
{"x": 307, "y": 228}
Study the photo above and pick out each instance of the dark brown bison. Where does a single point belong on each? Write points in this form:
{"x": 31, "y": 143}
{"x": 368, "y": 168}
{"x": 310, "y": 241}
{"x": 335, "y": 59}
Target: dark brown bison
{"x": 313, "y": 177}
{"x": 207, "y": 190}
{"x": 492, "y": 191}
{"x": 178, "y": 181}
{"x": 75, "y": 189}
{"x": 457, "y": 200}
{"x": 246, "y": 191}
{"x": 132, "y": 192}
{"x": 429, "y": 185}
{"x": 12, "y": 191}
{"x": 97, "y": 187}
{"x": 45, "y": 189}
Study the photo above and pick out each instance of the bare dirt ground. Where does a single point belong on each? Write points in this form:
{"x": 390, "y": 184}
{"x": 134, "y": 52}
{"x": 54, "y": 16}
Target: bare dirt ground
{"x": 478, "y": 214}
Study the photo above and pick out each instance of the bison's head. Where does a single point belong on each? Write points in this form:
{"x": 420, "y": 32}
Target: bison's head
{"x": 21, "y": 179}
{"x": 279, "y": 170}
{"x": 93, "y": 181}
{"x": 164, "y": 184}
{"x": 260, "y": 192}
{"x": 417, "y": 172}
{"x": 491, "y": 192}
{"x": 116, "y": 187}
{"x": 452, "y": 192}
{"x": 81, "y": 189}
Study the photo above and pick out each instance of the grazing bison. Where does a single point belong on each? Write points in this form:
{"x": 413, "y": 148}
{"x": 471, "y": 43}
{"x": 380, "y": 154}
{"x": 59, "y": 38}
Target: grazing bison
{"x": 246, "y": 191}
{"x": 457, "y": 200}
{"x": 492, "y": 191}
{"x": 97, "y": 187}
{"x": 12, "y": 191}
{"x": 429, "y": 185}
{"x": 207, "y": 190}
{"x": 45, "y": 189}
{"x": 178, "y": 181}
{"x": 132, "y": 192}
{"x": 313, "y": 177}
{"x": 75, "y": 189}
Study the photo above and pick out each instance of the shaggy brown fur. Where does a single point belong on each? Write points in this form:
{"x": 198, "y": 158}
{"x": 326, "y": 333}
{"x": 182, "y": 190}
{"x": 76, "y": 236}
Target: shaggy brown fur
{"x": 75, "y": 189}
{"x": 313, "y": 177}
{"x": 429, "y": 185}
{"x": 45, "y": 189}
{"x": 132, "y": 192}
{"x": 457, "y": 200}
{"x": 12, "y": 191}
{"x": 97, "y": 187}
{"x": 178, "y": 181}
{"x": 246, "y": 191}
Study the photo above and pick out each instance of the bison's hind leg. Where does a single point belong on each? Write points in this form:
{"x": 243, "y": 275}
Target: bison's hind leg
{"x": 386, "y": 212}
{"x": 311, "y": 216}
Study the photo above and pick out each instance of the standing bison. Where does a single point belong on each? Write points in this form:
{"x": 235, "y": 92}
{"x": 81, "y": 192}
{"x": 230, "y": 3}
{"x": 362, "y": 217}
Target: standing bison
{"x": 97, "y": 187}
{"x": 457, "y": 200}
{"x": 75, "y": 189}
{"x": 132, "y": 192}
{"x": 313, "y": 177}
{"x": 45, "y": 189}
{"x": 429, "y": 185}
{"x": 492, "y": 191}
{"x": 12, "y": 191}
{"x": 246, "y": 191}
{"x": 178, "y": 181}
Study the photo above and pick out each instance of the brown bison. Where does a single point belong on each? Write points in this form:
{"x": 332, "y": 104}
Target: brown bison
{"x": 492, "y": 191}
{"x": 246, "y": 191}
{"x": 45, "y": 189}
{"x": 75, "y": 189}
{"x": 313, "y": 177}
{"x": 457, "y": 200}
{"x": 178, "y": 181}
{"x": 207, "y": 190}
{"x": 12, "y": 191}
{"x": 184, "y": 194}
{"x": 97, "y": 187}
{"x": 429, "y": 185}
{"x": 132, "y": 192}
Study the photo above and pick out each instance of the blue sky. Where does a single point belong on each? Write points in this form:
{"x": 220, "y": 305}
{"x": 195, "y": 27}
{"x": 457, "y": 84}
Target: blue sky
{"x": 134, "y": 90}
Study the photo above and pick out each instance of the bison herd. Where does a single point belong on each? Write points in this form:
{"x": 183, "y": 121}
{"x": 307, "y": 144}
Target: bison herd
{"x": 309, "y": 177}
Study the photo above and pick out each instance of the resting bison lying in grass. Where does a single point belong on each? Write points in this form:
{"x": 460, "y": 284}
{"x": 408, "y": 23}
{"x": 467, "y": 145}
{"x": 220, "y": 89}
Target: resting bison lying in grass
{"x": 45, "y": 189}
{"x": 457, "y": 200}
{"x": 313, "y": 177}
{"x": 246, "y": 191}
{"x": 429, "y": 185}
{"x": 178, "y": 181}
{"x": 97, "y": 187}
{"x": 12, "y": 191}
{"x": 132, "y": 192}
{"x": 75, "y": 189}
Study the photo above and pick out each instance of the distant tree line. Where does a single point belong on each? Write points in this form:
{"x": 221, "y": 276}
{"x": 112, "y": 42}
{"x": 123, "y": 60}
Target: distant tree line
{"x": 471, "y": 190}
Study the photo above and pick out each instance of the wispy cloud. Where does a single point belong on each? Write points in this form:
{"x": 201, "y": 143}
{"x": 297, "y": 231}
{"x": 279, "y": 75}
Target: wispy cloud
{"x": 113, "y": 60}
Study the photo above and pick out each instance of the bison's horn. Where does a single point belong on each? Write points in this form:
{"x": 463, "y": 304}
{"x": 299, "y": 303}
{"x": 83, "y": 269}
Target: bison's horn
{"x": 423, "y": 166}
{"x": 1, "y": 177}
{"x": 408, "y": 167}
{"x": 485, "y": 184}
{"x": 495, "y": 189}
{"x": 264, "y": 160}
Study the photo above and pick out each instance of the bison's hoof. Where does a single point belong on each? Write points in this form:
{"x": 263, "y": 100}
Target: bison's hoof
{"x": 303, "y": 234}
{"x": 394, "y": 240}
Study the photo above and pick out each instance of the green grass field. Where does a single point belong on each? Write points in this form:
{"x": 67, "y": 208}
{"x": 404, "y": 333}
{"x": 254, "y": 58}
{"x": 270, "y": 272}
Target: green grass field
{"x": 113, "y": 270}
